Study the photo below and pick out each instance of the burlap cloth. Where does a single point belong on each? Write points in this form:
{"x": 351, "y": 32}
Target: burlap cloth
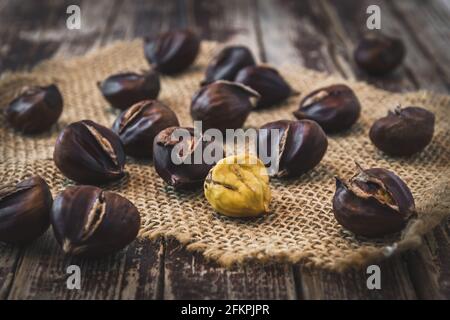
{"x": 301, "y": 226}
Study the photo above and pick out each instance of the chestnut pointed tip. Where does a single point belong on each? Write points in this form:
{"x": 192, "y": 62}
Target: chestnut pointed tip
{"x": 359, "y": 166}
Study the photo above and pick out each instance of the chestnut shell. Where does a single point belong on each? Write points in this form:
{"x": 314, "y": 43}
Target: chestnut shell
{"x": 227, "y": 63}
{"x": 268, "y": 82}
{"x": 138, "y": 126}
{"x": 24, "y": 210}
{"x": 223, "y": 105}
{"x": 173, "y": 51}
{"x": 35, "y": 110}
{"x": 122, "y": 90}
{"x": 302, "y": 145}
{"x": 403, "y": 132}
{"x": 374, "y": 203}
{"x": 335, "y": 108}
{"x": 379, "y": 54}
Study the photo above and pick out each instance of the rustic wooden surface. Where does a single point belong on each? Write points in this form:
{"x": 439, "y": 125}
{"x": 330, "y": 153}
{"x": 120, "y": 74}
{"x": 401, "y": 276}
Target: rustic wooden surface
{"x": 316, "y": 34}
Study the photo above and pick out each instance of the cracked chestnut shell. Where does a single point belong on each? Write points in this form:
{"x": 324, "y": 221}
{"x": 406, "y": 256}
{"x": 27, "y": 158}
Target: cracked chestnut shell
{"x": 122, "y": 90}
{"x": 89, "y": 221}
{"x": 379, "y": 54}
{"x": 35, "y": 110}
{"x": 138, "y": 126}
{"x": 227, "y": 63}
{"x": 89, "y": 153}
{"x": 223, "y": 105}
{"x": 403, "y": 132}
{"x": 373, "y": 203}
{"x": 172, "y": 52}
{"x": 181, "y": 175}
{"x": 24, "y": 210}
{"x": 301, "y": 145}
{"x": 267, "y": 81}
{"x": 335, "y": 108}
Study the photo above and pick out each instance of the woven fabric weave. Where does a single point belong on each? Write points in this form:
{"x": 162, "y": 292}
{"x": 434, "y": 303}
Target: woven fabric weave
{"x": 301, "y": 226}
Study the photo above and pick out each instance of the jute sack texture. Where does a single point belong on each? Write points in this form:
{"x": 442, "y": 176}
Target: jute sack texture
{"x": 301, "y": 226}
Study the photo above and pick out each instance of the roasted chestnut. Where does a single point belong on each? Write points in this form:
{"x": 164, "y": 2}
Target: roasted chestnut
{"x": 379, "y": 54}
{"x": 335, "y": 108}
{"x": 138, "y": 126}
{"x": 87, "y": 152}
{"x": 122, "y": 90}
{"x": 299, "y": 146}
{"x": 373, "y": 203}
{"x": 35, "y": 110}
{"x": 403, "y": 132}
{"x": 174, "y": 158}
{"x": 24, "y": 210}
{"x": 267, "y": 82}
{"x": 89, "y": 221}
{"x": 223, "y": 105}
{"x": 172, "y": 52}
{"x": 227, "y": 63}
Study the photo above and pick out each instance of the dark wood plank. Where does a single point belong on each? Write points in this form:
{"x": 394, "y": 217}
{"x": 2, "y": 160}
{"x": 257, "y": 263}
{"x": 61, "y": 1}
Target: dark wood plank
{"x": 188, "y": 275}
{"x": 352, "y": 285}
{"x": 130, "y": 274}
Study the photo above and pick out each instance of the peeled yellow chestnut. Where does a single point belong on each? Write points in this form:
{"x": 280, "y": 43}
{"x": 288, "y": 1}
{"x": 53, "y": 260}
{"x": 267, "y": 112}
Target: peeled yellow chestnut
{"x": 373, "y": 203}
{"x": 238, "y": 186}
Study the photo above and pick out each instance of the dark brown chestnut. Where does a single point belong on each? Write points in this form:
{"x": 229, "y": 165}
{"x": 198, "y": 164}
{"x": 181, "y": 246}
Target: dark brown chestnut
{"x": 267, "y": 81}
{"x": 24, "y": 210}
{"x": 373, "y": 203}
{"x": 122, "y": 90}
{"x": 89, "y": 221}
{"x": 87, "y": 152}
{"x": 227, "y": 63}
{"x": 172, "y": 52}
{"x": 35, "y": 110}
{"x": 300, "y": 146}
{"x": 403, "y": 132}
{"x": 379, "y": 54}
{"x": 335, "y": 108}
{"x": 174, "y": 158}
{"x": 223, "y": 105}
{"x": 138, "y": 126}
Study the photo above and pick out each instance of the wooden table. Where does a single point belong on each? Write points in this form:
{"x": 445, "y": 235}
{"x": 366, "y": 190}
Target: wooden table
{"x": 316, "y": 34}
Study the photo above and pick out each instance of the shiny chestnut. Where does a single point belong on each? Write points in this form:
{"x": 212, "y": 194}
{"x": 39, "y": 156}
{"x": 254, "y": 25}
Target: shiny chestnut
{"x": 268, "y": 82}
{"x": 122, "y": 90}
{"x": 223, "y": 105}
{"x": 35, "y": 110}
{"x": 172, "y": 52}
{"x": 89, "y": 153}
{"x": 379, "y": 54}
{"x": 404, "y": 131}
{"x": 138, "y": 126}
{"x": 227, "y": 63}
{"x": 89, "y": 221}
{"x": 174, "y": 158}
{"x": 373, "y": 203}
{"x": 335, "y": 108}
{"x": 24, "y": 210}
{"x": 297, "y": 147}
